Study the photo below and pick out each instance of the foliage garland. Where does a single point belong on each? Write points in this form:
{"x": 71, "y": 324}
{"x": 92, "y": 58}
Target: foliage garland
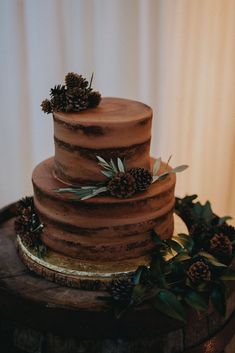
{"x": 185, "y": 271}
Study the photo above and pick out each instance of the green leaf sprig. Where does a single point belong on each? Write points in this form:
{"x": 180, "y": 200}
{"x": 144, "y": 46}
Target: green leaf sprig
{"x": 156, "y": 168}
{"x": 87, "y": 192}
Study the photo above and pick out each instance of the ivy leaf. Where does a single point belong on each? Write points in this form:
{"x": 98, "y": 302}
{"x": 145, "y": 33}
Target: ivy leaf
{"x": 138, "y": 294}
{"x": 120, "y": 165}
{"x": 175, "y": 246}
{"x": 156, "y": 166}
{"x": 224, "y": 219}
{"x": 156, "y": 238}
{"x": 195, "y": 300}
{"x": 211, "y": 259}
{"x": 185, "y": 240}
{"x": 182, "y": 257}
{"x": 218, "y": 299}
{"x": 167, "y": 303}
{"x": 228, "y": 275}
{"x": 141, "y": 270}
{"x": 207, "y": 211}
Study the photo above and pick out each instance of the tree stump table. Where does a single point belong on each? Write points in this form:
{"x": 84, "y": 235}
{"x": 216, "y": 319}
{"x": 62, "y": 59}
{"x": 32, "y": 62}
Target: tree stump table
{"x": 39, "y": 316}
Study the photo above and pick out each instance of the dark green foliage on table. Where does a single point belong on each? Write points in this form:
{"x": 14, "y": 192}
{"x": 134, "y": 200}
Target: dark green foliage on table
{"x": 189, "y": 270}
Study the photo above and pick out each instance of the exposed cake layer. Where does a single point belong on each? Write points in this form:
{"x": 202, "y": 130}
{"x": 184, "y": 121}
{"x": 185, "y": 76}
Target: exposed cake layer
{"x": 116, "y": 128}
{"x": 103, "y": 228}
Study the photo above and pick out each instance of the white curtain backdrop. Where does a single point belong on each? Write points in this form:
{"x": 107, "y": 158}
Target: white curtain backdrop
{"x": 178, "y": 56}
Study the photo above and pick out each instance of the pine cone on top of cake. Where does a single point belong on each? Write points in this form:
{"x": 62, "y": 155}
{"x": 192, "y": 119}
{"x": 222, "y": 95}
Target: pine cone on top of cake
{"x": 74, "y": 96}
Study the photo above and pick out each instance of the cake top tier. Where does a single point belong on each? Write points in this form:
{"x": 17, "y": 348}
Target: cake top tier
{"x": 110, "y": 111}
{"x": 116, "y": 128}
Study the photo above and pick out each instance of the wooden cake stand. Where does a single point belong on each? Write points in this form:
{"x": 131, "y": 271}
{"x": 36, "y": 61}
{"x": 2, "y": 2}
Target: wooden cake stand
{"x": 46, "y": 317}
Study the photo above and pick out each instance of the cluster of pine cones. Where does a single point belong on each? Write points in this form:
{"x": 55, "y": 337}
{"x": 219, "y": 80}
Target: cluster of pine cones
{"x": 74, "y": 96}
{"x": 126, "y": 184}
{"x": 27, "y": 224}
{"x": 217, "y": 242}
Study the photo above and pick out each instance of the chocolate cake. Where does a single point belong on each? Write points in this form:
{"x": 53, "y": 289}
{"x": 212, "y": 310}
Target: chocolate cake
{"x": 100, "y": 198}
{"x": 103, "y": 228}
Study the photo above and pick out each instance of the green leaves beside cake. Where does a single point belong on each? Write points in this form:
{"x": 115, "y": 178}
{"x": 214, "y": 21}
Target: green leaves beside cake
{"x": 76, "y": 95}
{"x": 186, "y": 271}
{"x": 122, "y": 182}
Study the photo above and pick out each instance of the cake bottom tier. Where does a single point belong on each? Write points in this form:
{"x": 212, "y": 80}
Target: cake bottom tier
{"x": 91, "y": 276}
{"x": 102, "y": 228}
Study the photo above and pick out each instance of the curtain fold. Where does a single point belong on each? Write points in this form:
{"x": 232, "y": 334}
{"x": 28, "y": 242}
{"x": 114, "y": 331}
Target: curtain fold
{"x": 176, "y": 55}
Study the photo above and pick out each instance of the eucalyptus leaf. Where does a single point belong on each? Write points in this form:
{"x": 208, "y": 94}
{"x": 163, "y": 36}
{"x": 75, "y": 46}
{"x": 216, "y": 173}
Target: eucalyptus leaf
{"x": 95, "y": 192}
{"x": 102, "y": 160}
{"x": 120, "y": 165}
{"x": 179, "y": 169}
{"x": 195, "y": 300}
{"x": 163, "y": 176}
{"x": 114, "y": 168}
{"x": 108, "y": 174}
{"x": 155, "y": 178}
{"x": 63, "y": 190}
{"x": 156, "y": 166}
{"x": 107, "y": 167}
{"x": 167, "y": 303}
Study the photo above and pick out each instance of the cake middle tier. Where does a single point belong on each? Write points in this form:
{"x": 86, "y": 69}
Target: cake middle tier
{"x": 116, "y": 128}
{"x": 102, "y": 228}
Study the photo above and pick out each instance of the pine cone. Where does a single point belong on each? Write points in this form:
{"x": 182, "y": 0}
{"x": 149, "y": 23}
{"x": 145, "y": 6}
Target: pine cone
{"x": 122, "y": 185}
{"x": 58, "y": 103}
{"x": 200, "y": 228}
{"x": 58, "y": 90}
{"x": 221, "y": 247}
{"x": 121, "y": 288}
{"x": 143, "y": 178}
{"x": 94, "y": 99}
{"x": 27, "y": 224}
{"x": 198, "y": 272}
{"x": 76, "y": 99}
{"x": 28, "y": 240}
{"x": 228, "y": 230}
{"x": 74, "y": 80}
{"x": 46, "y": 106}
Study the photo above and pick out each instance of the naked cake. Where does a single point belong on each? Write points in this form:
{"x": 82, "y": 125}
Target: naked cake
{"x": 100, "y": 197}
